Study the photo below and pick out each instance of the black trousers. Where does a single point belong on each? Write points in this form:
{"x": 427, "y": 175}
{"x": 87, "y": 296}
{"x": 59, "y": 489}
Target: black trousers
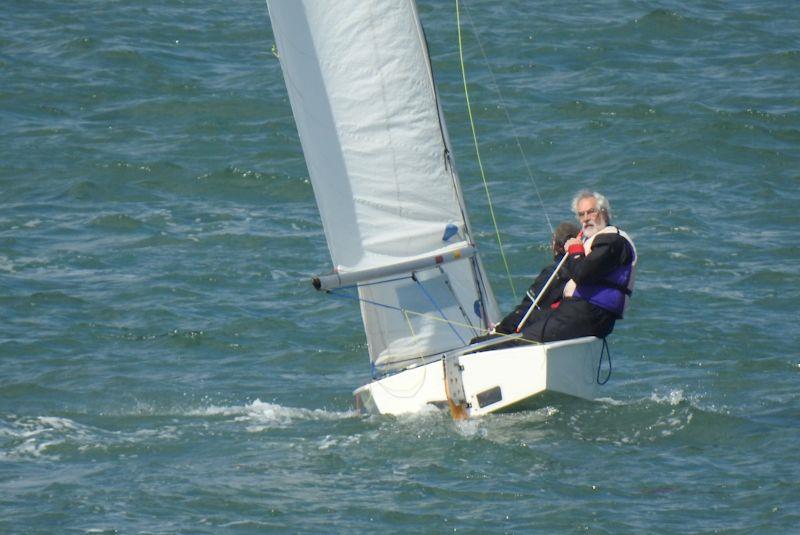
{"x": 573, "y": 318}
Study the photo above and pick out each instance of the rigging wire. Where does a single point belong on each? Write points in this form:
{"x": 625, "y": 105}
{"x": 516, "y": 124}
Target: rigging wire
{"x": 504, "y": 107}
{"x": 406, "y": 312}
{"x": 437, "y": 307}
{"x": 478, "y": 152}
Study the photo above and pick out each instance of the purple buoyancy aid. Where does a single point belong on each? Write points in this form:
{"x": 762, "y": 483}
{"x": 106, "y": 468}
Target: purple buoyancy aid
{"x": 614, "y": 290}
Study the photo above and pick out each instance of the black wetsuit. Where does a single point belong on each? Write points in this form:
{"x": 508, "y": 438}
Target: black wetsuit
{"x": 553, "y": 294}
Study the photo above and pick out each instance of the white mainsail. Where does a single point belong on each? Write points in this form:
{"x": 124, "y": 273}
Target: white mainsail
{"x": 376, "y": 147}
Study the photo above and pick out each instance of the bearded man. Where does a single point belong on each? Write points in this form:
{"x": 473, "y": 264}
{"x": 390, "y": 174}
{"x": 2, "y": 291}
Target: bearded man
{"x": 601, "y": 265}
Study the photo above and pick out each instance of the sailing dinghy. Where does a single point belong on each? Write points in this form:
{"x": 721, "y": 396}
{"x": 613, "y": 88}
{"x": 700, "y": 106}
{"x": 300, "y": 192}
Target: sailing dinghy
{"x": 376, "y": 146}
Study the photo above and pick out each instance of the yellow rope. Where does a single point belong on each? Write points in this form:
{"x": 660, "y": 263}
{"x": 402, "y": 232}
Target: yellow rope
{"x": 478, "y": 152}
{"x": 406, "y": 312}
{"x": 408, "y": 321}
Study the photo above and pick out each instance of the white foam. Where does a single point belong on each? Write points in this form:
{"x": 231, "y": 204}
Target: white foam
{"x": 37, "y": 437}
{"x": 264, "y": 415}
{"x": 425, "y": 412}
{"x": 213, "y": 410}
{"x": 331, "y": 441}
{"x": 55, "y": 422}
{"x": 32, "y": 437}
{"x": 6, "y": 264}
{"x": 612, "y": 401}
{"x": 271, "y": 414}
{"x": 673, "y": 397}
{"x": 470, "y": 428}
{"x": 43, "y": 436}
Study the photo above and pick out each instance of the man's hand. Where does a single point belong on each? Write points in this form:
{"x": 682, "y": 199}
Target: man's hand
{"x": 574, "y": 246}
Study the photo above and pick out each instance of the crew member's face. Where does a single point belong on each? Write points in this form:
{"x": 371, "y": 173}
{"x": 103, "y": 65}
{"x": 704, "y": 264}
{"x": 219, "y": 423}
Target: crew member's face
{"x": 591, "y": 219}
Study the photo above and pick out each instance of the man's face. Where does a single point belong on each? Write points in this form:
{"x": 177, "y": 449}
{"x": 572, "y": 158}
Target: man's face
{"x": 591, "y": 219}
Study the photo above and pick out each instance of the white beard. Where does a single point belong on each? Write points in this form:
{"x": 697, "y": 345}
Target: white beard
{"x": 593, "y": 227}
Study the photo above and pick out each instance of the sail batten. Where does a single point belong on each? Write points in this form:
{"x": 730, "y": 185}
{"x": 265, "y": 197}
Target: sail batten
{"x": 364, "y": 101}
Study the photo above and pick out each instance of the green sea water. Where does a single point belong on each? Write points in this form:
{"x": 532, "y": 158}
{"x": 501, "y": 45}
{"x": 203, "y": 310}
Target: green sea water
{"x": 166, "y": 367}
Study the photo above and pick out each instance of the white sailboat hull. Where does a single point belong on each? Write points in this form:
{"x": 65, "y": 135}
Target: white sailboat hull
{"x": 492, "y": 380}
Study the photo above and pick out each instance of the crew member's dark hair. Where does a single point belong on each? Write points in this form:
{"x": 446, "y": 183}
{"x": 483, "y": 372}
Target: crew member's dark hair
{"x": 563, "y": 232}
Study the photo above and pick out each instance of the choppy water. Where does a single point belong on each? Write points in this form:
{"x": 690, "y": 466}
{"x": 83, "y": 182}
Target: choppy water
{"x": 166, "y": 367}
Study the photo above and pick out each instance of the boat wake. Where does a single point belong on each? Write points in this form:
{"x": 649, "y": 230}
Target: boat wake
{"x": 56, "y": 437}
{"x": 661, "y": 415}
{"x": 263, "y": 415}
{"x": 658, "y": 416}
{"x": 51, "y": 437}
{"x": 672, "y": 397}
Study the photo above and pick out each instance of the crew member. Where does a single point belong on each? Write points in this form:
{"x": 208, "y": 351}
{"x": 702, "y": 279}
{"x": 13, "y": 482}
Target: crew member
{"x": 552, "y": 295}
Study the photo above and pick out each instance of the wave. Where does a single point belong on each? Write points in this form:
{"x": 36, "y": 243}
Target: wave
{"x": 51, "y": 437}
{"x": 6, "y": 264}
{"x": 263, "y": 415}
{"x": 659, "y": 415}
{"x": 663, "y": 414}
{"x": 666, "y": 23}
{"x": 34, "y": 437}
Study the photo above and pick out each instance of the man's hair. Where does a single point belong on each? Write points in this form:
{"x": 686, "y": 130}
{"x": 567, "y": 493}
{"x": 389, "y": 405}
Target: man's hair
{"x": 602, "y": 203}
{"x": 563, "y": 232}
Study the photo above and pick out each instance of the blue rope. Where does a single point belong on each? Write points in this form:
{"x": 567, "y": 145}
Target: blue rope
{"x": 439, "y": 310}
{"x": 606, "y": 350}
{"x": 361, "y": 299}
{"x": 375, "y": 303}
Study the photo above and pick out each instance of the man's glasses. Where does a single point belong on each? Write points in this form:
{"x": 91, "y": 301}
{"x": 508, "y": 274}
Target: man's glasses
{"x": 590, "y": 211}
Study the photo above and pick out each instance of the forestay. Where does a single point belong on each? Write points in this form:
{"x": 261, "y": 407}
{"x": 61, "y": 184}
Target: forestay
{"x": 364, "y": 101}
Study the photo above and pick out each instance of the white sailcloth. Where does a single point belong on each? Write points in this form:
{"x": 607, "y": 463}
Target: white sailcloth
{"x": 364, "y": 101}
